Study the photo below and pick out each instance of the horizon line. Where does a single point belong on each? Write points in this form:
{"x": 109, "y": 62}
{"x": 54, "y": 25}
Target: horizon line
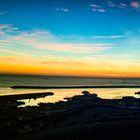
{"x": 74, "y": 76}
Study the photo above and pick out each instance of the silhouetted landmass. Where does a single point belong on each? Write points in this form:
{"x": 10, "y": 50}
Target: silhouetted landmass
{"x": 78, "y": 118}
{"x": 137, "y": 93}
{"x": 26, "y": 96}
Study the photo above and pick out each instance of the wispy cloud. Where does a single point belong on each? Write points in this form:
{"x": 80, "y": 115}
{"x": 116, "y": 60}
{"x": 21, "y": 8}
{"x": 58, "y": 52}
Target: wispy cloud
{"x": 110, "y": 3}
{"x": 35, "y": 42}
{"x": 7, "y": 28}
{"x": 123, "y": 5}
{"x": 75, "y": 48}
{"x": 135, "y": 4}
{"x": 97, "y": 8}
{"x": 108, "y": 37}
{"x": 101, "y": 10}
{"x": 45, "y": 40}
{"x": 66, "y": 10}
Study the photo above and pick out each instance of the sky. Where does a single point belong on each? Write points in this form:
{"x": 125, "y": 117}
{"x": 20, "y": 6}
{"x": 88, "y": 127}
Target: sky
{"x": 98, "y": 38}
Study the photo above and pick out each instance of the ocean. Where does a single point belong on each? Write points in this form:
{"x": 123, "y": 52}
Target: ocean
{"x": 6, "y": 81}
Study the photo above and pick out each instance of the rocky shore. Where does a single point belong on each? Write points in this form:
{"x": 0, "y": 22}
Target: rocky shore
{"x": 78, "y": 118}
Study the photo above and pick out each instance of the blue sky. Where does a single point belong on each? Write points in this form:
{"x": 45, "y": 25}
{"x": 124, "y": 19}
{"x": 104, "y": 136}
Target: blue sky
{"x": 79, "y": 17}
{"x": 106, "y": 33}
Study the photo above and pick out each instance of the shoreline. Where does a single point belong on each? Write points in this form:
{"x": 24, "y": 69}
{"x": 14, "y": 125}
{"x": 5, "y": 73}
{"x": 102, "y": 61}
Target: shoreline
{"x": 76, "y": 118}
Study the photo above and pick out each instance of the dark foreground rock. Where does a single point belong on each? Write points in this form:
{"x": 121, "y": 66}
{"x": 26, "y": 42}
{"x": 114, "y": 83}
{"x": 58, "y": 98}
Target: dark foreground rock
{"x": 79, "y": 118}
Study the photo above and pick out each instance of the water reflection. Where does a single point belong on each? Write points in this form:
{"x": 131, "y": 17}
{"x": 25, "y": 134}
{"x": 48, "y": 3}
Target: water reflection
{"x": 60, "y": 94}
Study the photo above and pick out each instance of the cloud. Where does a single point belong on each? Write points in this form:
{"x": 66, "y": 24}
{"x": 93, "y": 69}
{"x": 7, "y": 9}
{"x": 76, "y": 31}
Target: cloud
{"x": 108, "y": 37}
{"x": 123, "y": 5}
{"x": 35, "y": 35}
{"x": 62, "y": 9}
{"x": 7, "y": 28}
{"x": 135, "y": 4}
{"x": 101, "y": 10}
{"x": 115, "y": 6}
{"x": 74, "y": 48}
{"x": 110, "y": 3}
{"x": 43, "y": 40}
{"x": 97, "y": 8}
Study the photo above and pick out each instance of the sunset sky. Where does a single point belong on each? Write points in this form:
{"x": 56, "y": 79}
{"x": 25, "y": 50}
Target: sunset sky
{"x": 70, "y": 37}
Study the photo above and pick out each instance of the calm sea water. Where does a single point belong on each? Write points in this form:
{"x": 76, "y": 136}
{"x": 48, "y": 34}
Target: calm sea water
{"x": 6, "y": 81}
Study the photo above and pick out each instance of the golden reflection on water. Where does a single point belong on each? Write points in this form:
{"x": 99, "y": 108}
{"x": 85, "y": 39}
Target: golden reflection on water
{"x": 60, "y": 94}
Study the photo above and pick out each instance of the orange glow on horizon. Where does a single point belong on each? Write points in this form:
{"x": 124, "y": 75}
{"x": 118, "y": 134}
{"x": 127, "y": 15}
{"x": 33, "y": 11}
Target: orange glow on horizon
{"x": 64, "y": 71}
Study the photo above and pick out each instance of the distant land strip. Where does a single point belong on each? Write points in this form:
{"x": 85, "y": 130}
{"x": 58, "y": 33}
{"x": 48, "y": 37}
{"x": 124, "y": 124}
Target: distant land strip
{"x": 27, "y": 95}
{"x": 69, "y": 87}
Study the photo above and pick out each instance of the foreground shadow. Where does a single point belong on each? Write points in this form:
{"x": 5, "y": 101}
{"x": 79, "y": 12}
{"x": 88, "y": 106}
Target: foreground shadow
{"x": 78, "y": 118}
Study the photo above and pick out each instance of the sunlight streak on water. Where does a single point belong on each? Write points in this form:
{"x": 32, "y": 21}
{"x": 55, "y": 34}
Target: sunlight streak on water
{"x": 60, "y": 94}
{"x": 6, "y": 81}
